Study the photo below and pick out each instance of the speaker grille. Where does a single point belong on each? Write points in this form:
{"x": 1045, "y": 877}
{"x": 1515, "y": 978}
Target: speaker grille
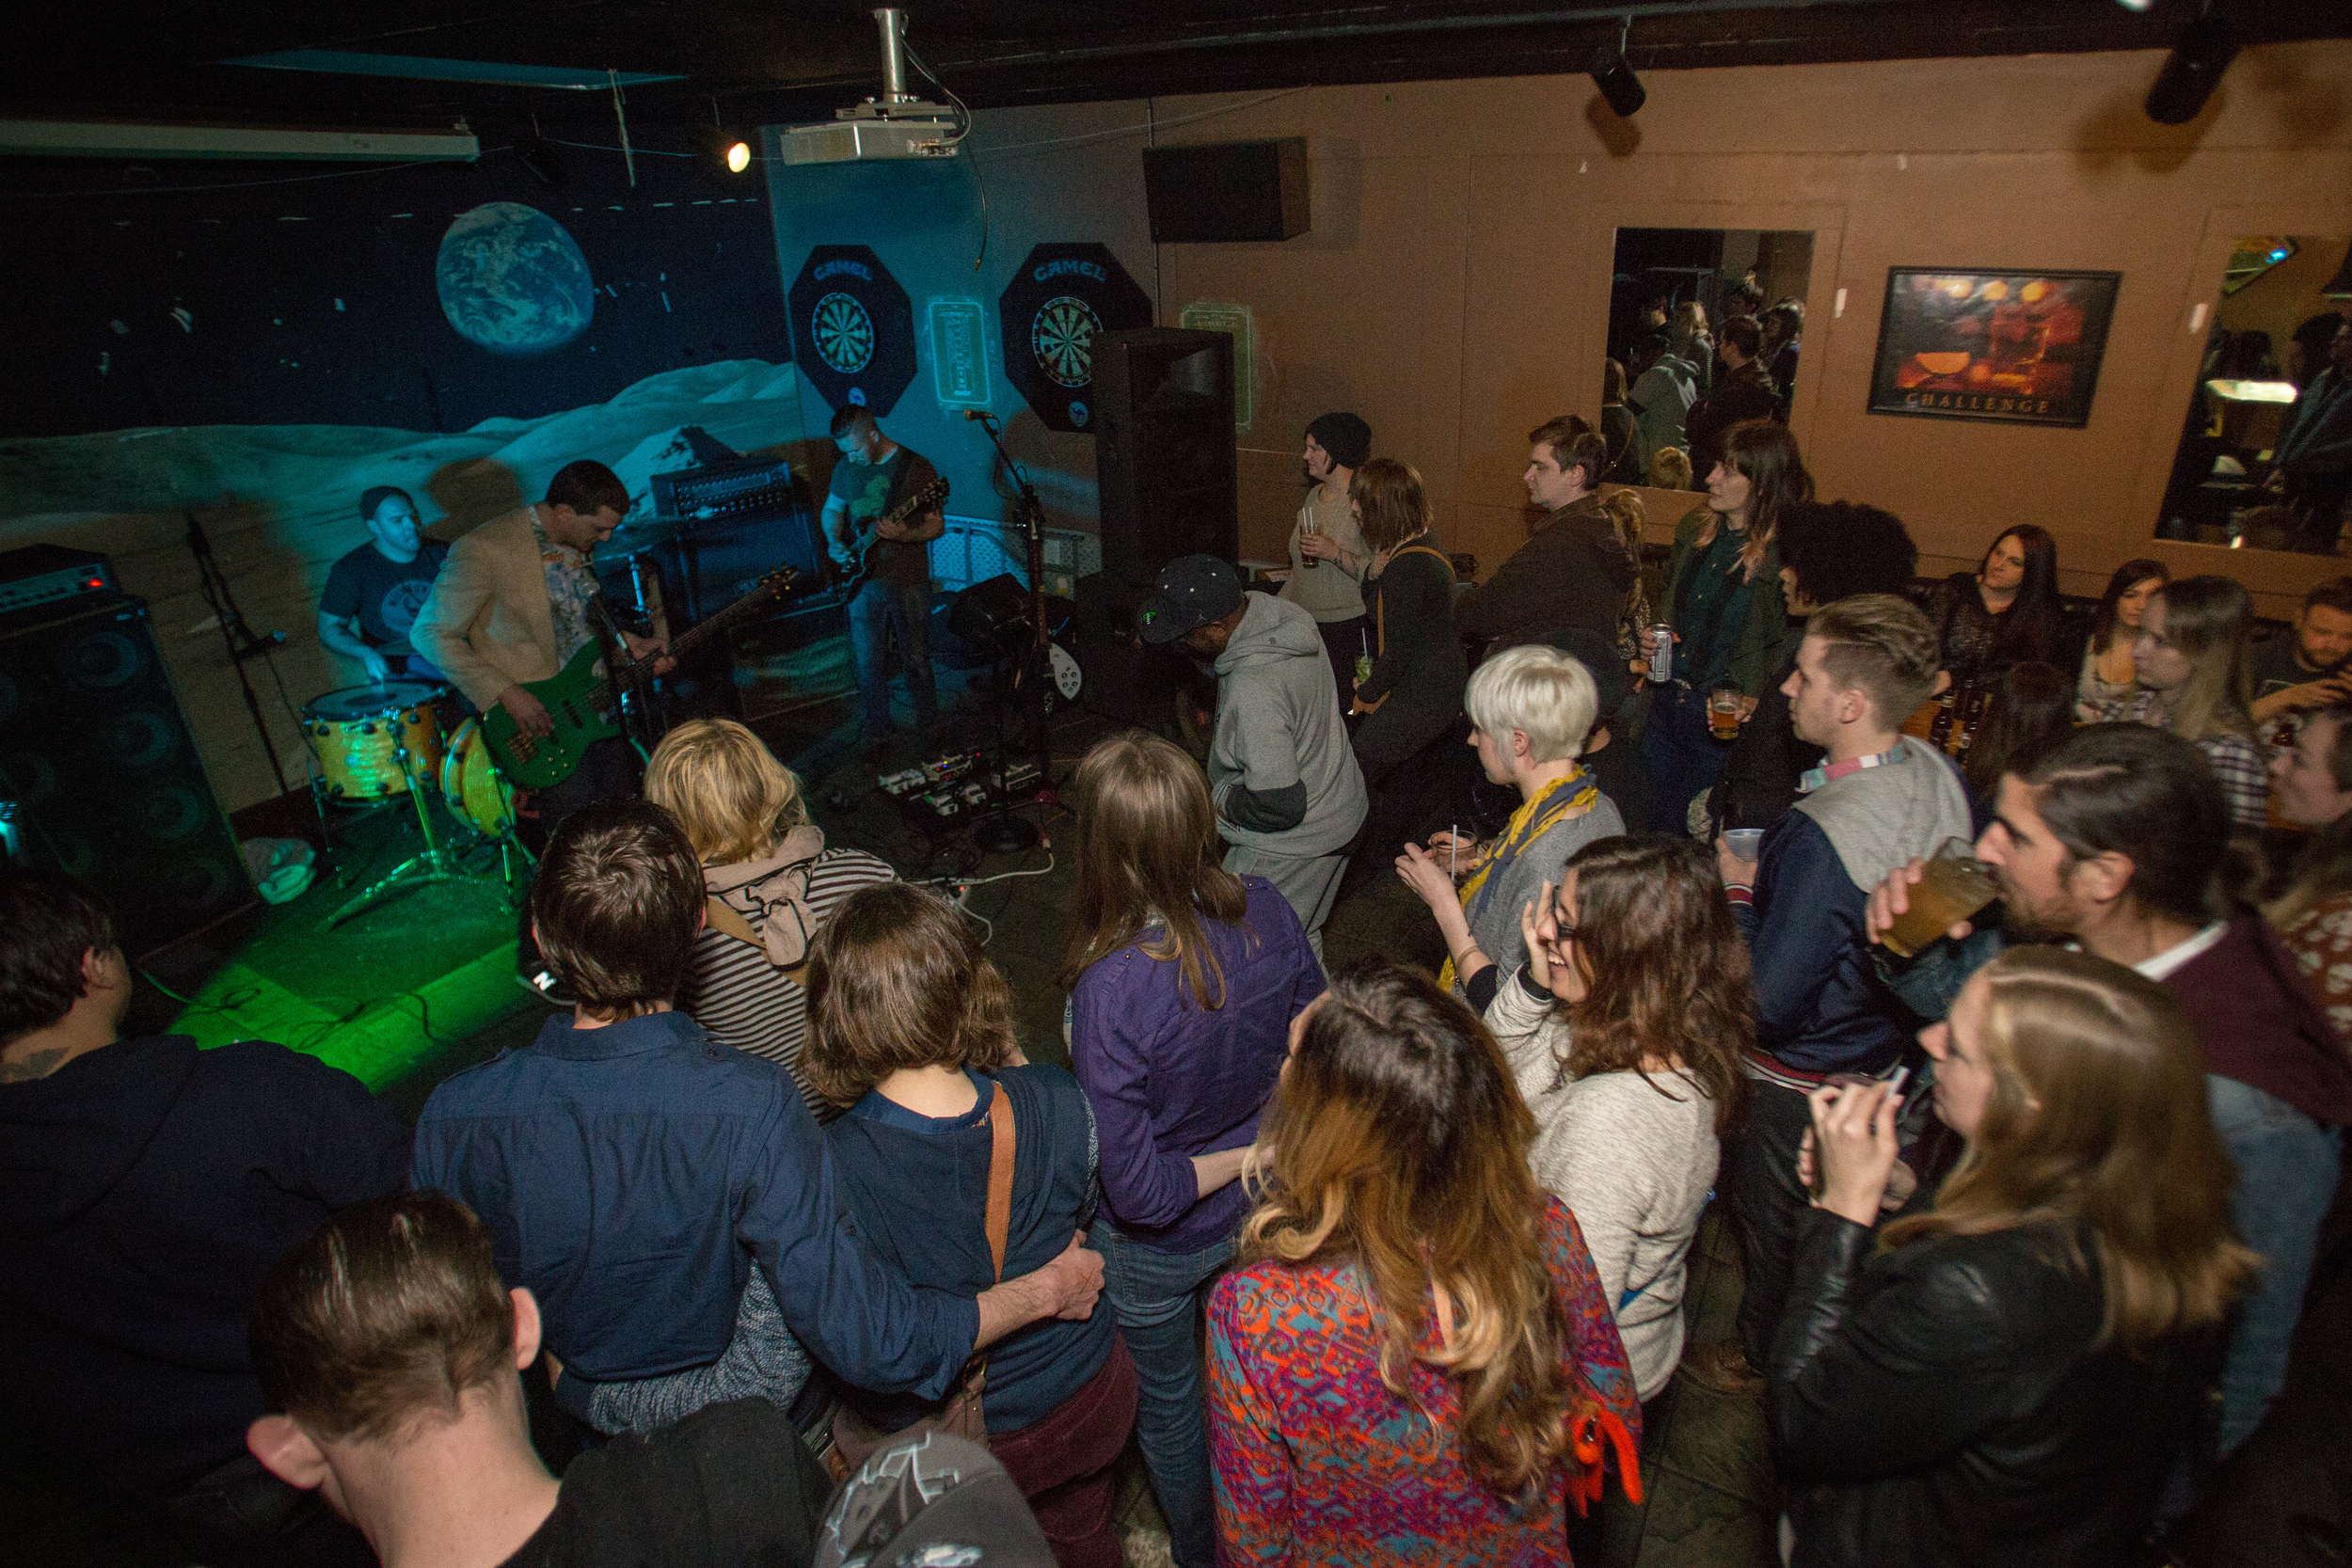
{"x": 98, "y": 757}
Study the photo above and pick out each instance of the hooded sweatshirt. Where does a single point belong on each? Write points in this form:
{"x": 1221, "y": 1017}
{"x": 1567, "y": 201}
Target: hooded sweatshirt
{"x": 1281, "y": 769}
{"x": 146, "y": 1187}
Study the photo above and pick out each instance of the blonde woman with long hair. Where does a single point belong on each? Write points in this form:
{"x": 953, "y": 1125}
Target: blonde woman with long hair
{"x": 2192, "y": 649}
{"x": 772, "y": 884}
{"x": 1414, "y": 1361}
{"x": 2008, "y": 1377}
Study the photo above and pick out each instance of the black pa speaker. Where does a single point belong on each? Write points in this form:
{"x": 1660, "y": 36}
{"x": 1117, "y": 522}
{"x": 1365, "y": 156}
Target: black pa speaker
{"x": 104, "y": 775}
{"x": 1223, "y": 191}
{"x": 1164, "y": 449}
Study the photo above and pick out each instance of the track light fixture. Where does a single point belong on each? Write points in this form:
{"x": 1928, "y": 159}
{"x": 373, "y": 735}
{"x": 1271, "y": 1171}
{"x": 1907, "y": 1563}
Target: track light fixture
{"x": 2193, "y": 70}
{"x": 1614, "y": 75}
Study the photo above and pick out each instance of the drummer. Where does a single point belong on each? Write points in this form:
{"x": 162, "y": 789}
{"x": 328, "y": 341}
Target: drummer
{"x": 373, "y": 593}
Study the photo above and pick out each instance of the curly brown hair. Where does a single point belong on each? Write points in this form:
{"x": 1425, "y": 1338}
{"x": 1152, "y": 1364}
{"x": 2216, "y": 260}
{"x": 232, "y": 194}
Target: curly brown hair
{"x": 1666, "y": 973}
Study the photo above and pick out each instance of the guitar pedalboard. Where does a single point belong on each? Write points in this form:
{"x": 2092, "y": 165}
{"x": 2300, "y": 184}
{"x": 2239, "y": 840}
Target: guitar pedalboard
{"x": 956, "y": 787}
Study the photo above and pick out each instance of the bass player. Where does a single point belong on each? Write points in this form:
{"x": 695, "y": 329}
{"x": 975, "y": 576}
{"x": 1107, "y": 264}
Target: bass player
{"x": 512, "y": 604}
{"x": 874, "y": 475}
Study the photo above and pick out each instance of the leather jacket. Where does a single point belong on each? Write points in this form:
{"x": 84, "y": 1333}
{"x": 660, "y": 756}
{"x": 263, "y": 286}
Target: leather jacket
{"x": 1945, "y": 1404}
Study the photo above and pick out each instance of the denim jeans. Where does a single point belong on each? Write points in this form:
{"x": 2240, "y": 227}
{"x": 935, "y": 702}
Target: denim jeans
{"x": 2286, "y": 1176}
{"x": 1159, "y": 1298}
{"x": 1682, "y": 758}
{"x": 880, "y": 608}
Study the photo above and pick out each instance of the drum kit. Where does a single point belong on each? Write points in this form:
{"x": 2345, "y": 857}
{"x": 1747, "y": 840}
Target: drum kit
{"x": 373, "y": 743}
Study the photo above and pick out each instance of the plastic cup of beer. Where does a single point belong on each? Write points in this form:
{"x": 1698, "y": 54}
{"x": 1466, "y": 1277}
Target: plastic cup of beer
{"x": 1723, "y": 714}
{"x": 1745, "y": 844}
{"x": 1951, "y": 888}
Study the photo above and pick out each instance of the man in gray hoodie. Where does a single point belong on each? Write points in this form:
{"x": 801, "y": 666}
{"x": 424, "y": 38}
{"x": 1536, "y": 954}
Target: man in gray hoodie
{"x": 1289, "y": 795}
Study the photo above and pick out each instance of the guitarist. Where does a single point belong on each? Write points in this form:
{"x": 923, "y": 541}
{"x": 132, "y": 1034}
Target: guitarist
{"x": 875, "y": 473}
{"x": 512, "y": 605}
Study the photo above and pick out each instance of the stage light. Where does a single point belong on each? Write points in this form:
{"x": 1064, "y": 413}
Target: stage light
{"x": 727, "y": 145}
{"x": 2134, "y": 4}
{"x": 2193, "y": 70}
{"x": 1614, "y": 75}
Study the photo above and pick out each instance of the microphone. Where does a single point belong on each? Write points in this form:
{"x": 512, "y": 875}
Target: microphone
{"x": 979, "y": 414}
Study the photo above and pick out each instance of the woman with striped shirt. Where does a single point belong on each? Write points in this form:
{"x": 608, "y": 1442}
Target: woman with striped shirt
{"x": 773, "y": 885}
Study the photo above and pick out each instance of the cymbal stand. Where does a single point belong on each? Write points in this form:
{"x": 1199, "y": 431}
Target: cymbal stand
{"x": 436, "y": 864}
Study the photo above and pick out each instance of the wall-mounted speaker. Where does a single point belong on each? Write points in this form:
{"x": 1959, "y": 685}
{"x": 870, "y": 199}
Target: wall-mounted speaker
{"x": 102, "y": 769}
{"x": 1164, "y": 449}
{"x": 1226, "y": 190}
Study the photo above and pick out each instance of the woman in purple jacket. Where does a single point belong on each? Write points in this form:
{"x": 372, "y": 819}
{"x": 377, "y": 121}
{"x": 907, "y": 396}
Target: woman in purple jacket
{"x": 1183, "y": 980}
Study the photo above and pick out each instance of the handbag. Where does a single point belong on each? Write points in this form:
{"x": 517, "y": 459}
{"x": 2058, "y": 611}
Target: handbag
{"x": 854, "y": 1438}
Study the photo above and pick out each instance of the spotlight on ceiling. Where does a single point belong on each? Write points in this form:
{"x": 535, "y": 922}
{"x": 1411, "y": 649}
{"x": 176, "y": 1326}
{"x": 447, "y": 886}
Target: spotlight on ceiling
{"x": 2193, "y": 70}
{"x": 2136, "y": 5}
{"x": 1614, "y": 75}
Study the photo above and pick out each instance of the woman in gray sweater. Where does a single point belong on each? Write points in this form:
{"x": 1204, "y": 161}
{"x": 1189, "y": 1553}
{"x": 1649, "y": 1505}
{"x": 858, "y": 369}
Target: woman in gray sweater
{"x": 1530, "y": 709}
{"x": 1624, "y": 1031}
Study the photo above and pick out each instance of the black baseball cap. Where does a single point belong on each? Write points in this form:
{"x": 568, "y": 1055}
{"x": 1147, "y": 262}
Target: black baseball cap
{"x": 1189, "y": 592}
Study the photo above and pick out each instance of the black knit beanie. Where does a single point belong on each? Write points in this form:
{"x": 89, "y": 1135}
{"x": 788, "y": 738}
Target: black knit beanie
{"x": 1347, "y": 438}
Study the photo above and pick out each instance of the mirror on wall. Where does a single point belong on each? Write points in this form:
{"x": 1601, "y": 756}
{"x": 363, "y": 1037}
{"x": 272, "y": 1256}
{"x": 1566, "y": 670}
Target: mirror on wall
{"x": 2254, "y": 468}
{"x": 1680, "y": 372}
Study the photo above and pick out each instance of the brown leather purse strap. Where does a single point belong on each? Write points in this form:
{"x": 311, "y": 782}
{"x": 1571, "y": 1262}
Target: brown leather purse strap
{"x": 1000, "y": 1177}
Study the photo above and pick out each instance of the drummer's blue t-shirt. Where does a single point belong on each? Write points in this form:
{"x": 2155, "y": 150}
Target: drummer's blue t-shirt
{"x": 383, "y": 594}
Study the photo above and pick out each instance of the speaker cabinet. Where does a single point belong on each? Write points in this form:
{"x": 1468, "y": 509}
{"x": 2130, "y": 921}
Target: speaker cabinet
{"x": 1225, "y": 191}
{"x": 104, "y": 774}
{"x": 1164, "y": 449}
{"x": 1127, "y": 678}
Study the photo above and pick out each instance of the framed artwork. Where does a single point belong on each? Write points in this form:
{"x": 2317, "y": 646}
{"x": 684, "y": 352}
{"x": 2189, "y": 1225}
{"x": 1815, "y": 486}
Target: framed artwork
{"x": 2008, "y": 347}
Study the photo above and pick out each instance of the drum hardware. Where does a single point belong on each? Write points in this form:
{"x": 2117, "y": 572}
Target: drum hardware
{"x": 436, "y": 864}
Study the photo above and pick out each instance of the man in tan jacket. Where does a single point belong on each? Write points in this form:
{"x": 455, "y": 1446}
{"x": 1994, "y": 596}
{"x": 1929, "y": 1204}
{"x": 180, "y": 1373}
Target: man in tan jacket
{"x": 512, "y": 605}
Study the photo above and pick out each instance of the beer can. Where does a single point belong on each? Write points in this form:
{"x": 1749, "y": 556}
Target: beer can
{"x": 1661, "y": 642}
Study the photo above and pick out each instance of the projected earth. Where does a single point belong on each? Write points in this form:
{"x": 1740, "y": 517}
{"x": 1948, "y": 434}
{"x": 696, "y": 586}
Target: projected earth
{"x": 512, "y": 280}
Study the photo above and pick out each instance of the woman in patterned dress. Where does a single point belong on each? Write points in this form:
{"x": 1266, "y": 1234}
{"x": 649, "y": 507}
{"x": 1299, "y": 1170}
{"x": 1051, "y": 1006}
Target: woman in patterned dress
{"x": 1415, "y": 1361}
{"x": 2108, "y": 690}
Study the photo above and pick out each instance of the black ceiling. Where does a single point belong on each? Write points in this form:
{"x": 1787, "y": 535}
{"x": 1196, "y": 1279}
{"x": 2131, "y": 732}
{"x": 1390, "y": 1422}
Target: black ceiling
{"x": 790, "y": 60}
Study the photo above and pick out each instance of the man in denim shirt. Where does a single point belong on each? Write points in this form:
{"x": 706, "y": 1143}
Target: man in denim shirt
{"x": 634, "y": 1173}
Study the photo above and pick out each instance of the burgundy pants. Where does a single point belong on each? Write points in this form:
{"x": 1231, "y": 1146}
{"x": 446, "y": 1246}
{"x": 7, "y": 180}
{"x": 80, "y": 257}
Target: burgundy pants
{"x": 1062, "y": 1462}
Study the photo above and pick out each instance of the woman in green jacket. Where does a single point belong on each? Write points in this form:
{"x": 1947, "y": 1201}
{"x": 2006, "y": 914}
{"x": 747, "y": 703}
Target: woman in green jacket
{"x": 1723, "y": 601}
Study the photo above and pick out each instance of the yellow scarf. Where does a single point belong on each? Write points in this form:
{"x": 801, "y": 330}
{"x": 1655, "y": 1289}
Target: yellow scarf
{"x": 1570, "y": 795}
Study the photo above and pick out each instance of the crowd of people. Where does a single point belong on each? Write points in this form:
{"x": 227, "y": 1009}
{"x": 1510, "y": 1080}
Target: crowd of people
{"x": 1373, "y": 1266}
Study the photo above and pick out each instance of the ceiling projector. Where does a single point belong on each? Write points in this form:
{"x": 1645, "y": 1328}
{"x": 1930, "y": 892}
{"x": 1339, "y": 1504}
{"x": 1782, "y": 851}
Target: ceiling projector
{"x": 896, "y": 125}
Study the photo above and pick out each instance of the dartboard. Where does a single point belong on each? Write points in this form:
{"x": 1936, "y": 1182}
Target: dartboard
{"x": 1061, "y": 337}
{"x": 844, "y": 333}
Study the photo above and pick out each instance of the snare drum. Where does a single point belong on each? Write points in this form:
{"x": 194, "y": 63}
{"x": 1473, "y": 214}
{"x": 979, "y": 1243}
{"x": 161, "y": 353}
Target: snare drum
{"x": 356, "y": 734}
{"x": 478, "y": 793}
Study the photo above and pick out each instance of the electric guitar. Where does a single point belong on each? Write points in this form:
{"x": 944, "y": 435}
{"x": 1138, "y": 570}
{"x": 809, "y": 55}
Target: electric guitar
{"x": 857, "y": 558}
{"x": 579, "y": 700}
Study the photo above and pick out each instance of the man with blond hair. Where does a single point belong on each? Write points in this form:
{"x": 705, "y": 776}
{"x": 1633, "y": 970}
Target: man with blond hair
{"x": 1876, "y": 801}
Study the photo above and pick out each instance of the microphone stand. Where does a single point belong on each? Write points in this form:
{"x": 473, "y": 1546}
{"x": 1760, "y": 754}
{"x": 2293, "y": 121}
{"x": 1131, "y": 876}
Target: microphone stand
{"x": 1001, "y": 832}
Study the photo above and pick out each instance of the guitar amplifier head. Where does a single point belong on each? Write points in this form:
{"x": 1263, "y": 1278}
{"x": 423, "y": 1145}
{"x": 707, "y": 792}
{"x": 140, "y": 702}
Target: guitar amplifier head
{"x": 754, "y": 487}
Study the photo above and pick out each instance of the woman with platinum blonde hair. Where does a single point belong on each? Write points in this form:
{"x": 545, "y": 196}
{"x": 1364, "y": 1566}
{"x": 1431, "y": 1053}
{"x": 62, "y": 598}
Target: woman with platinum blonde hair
{"x": 1530, "y": 709}
{"x": 773, "y": 883}
{"x": 2010, "y": 1376}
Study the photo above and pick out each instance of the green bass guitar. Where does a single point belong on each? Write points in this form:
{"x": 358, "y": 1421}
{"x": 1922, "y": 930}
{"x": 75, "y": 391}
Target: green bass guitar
{"x": 579, "y": 700}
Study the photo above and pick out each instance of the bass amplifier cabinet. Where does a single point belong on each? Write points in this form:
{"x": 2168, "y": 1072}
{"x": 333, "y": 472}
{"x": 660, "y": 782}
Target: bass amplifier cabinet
{"x": 732, "y": 524}
{"x": 96, "y": 755}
